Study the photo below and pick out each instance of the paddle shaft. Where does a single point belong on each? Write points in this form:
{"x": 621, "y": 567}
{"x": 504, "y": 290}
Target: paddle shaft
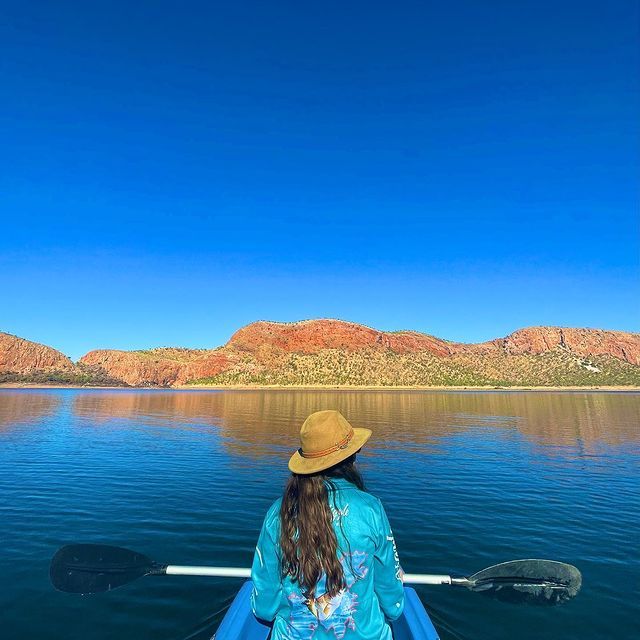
{"x": 215, "y": 572}
{"x": 239, "y": 572}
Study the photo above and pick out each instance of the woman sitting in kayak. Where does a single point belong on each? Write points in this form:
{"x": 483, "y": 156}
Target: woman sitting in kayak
{"x": 326, "y": 564}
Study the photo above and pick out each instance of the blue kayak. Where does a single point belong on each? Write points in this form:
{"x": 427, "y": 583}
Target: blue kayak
{"x": 239, "y": 622}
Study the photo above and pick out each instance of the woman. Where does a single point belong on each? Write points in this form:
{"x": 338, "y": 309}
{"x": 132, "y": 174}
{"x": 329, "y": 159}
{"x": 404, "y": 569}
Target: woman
{"x": 326, "y": 564}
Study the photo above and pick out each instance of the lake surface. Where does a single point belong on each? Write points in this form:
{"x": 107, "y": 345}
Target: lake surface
{"x": 468, "y": 479}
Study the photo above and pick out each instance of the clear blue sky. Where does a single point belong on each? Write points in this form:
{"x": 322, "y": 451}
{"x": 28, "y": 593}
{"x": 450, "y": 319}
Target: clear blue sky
{"x": 172, "y": 171}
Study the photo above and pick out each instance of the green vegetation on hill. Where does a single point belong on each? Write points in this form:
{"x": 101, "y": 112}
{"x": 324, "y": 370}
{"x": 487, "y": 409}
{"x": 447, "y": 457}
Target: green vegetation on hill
{"x": 388, "y": 369}
{"x": 80, "y": 375}
{"x": 177, "y": 354}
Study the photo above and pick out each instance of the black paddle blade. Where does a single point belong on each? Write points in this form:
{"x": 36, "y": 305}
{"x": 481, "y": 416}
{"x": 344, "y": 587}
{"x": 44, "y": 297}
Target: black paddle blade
{"x": 93, "y": 568}
{"x": 531, "y": 581}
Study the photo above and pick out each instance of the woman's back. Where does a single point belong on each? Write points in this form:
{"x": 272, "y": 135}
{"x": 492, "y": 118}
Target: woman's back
{"x": 371, "y": 587}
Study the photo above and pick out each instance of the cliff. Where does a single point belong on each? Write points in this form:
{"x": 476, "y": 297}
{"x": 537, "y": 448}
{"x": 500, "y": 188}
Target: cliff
{"x": 334, "y": 352}
{"x": 23, "y": 361}
{"x": 582, "y": 342}
{"x": 312, "y": 336}
{"x": 18, "y": 355}
{"x": 157, "y": 367}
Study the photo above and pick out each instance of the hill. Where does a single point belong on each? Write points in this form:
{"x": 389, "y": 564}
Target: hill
{"x": 334, "y": 352}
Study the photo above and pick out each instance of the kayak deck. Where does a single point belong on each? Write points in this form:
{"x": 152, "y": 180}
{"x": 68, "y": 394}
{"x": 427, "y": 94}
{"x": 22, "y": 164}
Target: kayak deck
{"x": 240, "y": 623}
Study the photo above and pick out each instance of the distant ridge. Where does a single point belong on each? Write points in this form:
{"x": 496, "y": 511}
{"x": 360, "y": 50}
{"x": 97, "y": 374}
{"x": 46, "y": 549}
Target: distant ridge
{"x": 339, "y": 353}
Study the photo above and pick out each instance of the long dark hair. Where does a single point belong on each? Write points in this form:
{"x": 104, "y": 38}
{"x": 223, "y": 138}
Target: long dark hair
{"x": 307, "y": 538}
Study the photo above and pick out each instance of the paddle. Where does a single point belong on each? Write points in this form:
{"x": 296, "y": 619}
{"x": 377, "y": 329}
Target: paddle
{"x": 94, "y": 568}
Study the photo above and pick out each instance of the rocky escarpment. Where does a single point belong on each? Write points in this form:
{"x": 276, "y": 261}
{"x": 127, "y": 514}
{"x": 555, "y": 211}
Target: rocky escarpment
{"x": 133, "y": 368}
{"x": 582, "y": 342}
{"x": 21, "y": 356}
{"x": 334, "y": 352}
{"x": 312, "y": 336}
{"x": 23, "y": 361}
{"x": 157, "y": 367}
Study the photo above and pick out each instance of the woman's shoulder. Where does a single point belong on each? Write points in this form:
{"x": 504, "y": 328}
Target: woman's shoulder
{"x": 272, "y": 517}
{"x": 364, "y": 499}
{"x": 364, "y": 510}
{"x": 274, "y": 509}
{"x": 370, "y": 501}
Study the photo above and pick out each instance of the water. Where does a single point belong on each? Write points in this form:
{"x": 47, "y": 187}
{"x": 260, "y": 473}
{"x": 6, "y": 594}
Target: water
{"x": 468, "y": 479}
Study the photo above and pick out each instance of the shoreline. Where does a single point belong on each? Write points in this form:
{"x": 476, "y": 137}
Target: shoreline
{"x": 28, "y": 385}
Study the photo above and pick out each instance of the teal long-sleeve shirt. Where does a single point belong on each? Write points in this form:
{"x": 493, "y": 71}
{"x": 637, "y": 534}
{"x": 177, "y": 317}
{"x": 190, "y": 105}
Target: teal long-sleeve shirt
{"x": 373, "y": 594}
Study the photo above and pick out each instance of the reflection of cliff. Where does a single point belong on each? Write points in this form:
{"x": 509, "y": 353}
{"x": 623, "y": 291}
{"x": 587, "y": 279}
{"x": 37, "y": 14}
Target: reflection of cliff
{"x": 160, "y": 407}
{"x": 20, "y": 407}
{"x": 406, "y": 419}
{"x": 564, "y": 419}
{"x": 267, "y": 422}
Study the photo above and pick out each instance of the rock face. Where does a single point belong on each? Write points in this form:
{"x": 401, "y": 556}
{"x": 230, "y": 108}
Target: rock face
{"x": 23, "y": 356}
{"x": 133, "y": 368}
{"x": 158, "y": 367}
{"x": 338, "y": 352}
{"x": 582, "y": 342}
{"x": 206, "y": 366}
{"x": 312, "y": 336}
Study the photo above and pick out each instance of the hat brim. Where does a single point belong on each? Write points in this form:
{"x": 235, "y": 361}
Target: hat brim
{"x": 304, "y": 466}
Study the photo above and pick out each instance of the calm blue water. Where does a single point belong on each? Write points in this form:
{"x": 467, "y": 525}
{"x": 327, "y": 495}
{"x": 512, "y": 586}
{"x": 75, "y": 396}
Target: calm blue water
{"x": 468, "y": 479}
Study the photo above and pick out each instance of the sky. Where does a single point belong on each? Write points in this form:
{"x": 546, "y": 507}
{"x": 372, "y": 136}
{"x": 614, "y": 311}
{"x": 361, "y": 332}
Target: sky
{"x": 171, "y": 171}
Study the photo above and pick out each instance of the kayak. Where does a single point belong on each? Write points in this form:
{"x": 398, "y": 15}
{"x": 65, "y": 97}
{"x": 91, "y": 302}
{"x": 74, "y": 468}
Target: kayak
{"x": 239, "y": 623}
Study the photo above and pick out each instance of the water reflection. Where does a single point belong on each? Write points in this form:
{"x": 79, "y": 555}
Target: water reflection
{"x": 259, "y": 422}
{"x": 156, "y": 471}
{"x": 154, "y": 406}
{"x": 18, "y": 407}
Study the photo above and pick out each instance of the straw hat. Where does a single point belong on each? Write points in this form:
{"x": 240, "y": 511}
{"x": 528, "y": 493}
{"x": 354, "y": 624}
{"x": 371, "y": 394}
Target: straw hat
{"x": 326, "y": 438}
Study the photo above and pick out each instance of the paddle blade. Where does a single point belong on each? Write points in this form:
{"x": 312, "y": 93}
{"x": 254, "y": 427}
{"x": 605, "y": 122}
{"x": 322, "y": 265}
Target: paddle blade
{"x": 531, "y": 581}
{"x": 93, "y": 568}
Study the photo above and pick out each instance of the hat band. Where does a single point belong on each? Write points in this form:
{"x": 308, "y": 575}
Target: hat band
{"x": 336, "y": 447}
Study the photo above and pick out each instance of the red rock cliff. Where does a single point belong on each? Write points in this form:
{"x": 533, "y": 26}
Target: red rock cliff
{"x": 311, "y": 336}
{"x": 582, "y": 342}
{"x": 263, "y": 345}
{"x": 23, "y": 356}
{"x": 158, "y": 367}
{"x": 134, "y": 368}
